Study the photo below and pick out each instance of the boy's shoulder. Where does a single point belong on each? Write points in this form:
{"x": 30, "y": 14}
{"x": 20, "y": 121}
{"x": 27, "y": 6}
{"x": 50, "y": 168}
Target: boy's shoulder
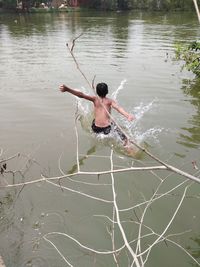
{"x": 105, "y": 99}
{"x": 109, "y": 100}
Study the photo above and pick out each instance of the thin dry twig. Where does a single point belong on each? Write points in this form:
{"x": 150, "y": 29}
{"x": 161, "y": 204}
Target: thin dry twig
{"x": 168, "y": 225}
{"x": 133, "y": 254}
{"x": 107, "y": 252}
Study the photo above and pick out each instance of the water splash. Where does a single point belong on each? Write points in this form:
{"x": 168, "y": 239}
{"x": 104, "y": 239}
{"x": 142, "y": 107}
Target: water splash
{"x": 139, "y": 111}
{"x": 136, "y": 130}
{"x": 116, "y": 92}
{"x": 150, "y": 134}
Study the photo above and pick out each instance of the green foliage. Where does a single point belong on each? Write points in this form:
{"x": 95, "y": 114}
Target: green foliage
{"x": 123, "y": 4}
{"x": 190, "y": 54}
{"x": 8, "y": 3}
{"x": 164, "y": 4}
{"x": 103, "y": 4}
{"x": 141, "y": 4}
{"x": 109, "y": 4}
{"x": 12, "y": 4}
{"x": 117, "y": 4}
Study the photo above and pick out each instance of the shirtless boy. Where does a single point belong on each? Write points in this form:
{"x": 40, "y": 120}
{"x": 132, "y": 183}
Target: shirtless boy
{"x": 102, "y": 108}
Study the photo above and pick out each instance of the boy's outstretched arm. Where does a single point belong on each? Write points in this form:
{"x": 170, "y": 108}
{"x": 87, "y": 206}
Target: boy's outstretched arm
{"x": 129, "y": 116}
{"x": 64, "y": 88}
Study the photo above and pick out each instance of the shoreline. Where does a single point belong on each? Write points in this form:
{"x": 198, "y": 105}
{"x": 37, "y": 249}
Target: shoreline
{"x": 52, "y": 10}
{"x": 41, "y": 10}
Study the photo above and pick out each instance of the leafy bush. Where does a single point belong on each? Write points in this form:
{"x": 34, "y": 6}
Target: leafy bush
{"x": 190, "y": 54}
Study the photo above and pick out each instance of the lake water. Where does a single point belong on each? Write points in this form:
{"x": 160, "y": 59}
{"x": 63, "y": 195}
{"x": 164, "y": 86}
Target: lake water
{"x": 134, "y": 54}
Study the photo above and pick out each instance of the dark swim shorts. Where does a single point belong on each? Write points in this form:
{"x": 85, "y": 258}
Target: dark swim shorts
{"x": 106, "y": 130}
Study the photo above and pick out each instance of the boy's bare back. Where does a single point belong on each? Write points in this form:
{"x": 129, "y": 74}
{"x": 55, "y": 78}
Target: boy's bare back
{"x": 102, "y": 109}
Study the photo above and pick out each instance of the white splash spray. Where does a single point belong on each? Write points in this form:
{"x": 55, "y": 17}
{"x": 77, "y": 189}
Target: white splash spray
{"x": 116, "y": 92}
{"x": 140, "y": 110}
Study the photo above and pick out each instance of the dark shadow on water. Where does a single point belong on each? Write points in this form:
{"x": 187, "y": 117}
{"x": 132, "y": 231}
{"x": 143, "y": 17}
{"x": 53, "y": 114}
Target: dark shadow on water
{"x": 195, "y": 250}
{"x": 74, "y": 168}
{"x": 130, "y": 152}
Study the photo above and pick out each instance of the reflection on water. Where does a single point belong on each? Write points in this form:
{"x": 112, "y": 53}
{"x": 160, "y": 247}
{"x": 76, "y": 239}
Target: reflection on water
{"x": 81, "y": 160}
{"x": 194, "y": 248}
{"x": 191, "y": 135}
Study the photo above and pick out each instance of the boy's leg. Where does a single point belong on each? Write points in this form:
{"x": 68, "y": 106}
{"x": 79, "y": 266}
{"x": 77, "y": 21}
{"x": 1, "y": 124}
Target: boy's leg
{"x": 130, "y": 149}
{"x": 121, "y": 135}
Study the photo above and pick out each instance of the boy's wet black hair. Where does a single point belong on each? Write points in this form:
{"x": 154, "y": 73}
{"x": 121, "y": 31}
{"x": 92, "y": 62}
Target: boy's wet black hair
{"x": 102, "y": 89}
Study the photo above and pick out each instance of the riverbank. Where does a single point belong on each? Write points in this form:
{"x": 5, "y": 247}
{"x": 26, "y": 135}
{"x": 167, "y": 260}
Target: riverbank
{"x": 43, "y": 10}
{"x": 50, "y": 10}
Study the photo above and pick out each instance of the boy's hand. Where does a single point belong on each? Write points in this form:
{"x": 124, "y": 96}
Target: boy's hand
{"x": 63, "y": 88}
{"x": 130, "y": 117}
